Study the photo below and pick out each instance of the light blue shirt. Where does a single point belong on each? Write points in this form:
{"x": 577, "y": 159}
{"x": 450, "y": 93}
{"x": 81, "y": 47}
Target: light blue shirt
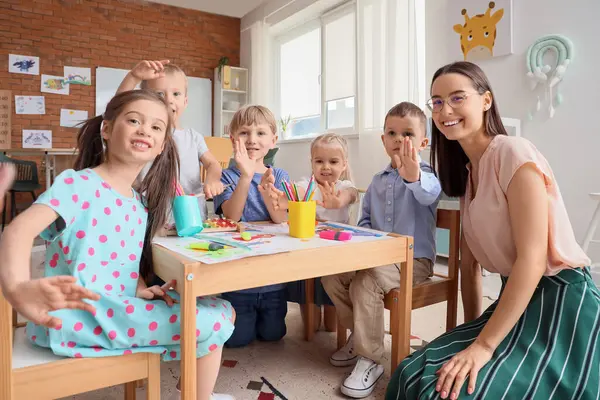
{"x": 393, "y": 205}
{"x": 254, "y": 209}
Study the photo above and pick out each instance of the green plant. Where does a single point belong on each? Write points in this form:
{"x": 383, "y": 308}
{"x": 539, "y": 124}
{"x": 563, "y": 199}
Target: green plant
{"x": 222, "y": 61}
{"x": 284, "y": 122}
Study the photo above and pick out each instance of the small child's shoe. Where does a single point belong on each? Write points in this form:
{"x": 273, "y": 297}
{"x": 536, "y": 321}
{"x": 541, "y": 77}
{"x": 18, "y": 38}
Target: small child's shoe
{"x": 345, "y": 356}
{"x": 221, "y": 396}
{"x": 363, "y": 379}
{"x": 214, "y": 396}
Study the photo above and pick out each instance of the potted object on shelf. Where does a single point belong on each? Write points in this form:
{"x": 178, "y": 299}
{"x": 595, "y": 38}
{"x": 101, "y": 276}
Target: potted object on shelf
{"x": 224, "y": 72}
{"x": 285, "y": 123}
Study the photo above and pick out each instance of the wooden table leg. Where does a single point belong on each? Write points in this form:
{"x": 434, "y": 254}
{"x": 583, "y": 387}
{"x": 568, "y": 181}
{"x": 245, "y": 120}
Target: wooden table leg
{"x": 130, "y": 390}
{"x": 188, "y": 338}
{"x": 49, "y": 168}
{"x": 401, "y": 346}
{"x": 309, "y": 305}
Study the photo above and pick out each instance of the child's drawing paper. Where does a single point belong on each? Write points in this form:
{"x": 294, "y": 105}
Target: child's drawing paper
{"x": 54, "y": 84}
{"x": 72, "y": 118}
{"x": 30, "y": 105}
{"x": 18, "y": 64}
{"x": 37, "y": 139}
{"x": 78, "y": 76}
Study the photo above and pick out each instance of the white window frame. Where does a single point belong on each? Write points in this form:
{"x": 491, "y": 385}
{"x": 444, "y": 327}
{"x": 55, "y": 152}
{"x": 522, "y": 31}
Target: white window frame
{"x": 319, "y": 22}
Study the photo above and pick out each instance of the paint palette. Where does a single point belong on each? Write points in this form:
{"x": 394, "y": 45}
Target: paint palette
{"x": 220, "y": 225}
{"x": 215, "y": 225}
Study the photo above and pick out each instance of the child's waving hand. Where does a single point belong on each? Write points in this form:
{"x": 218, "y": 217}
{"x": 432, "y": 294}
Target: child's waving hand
{"x": 34, "y": 299}
{"x": 148, "y": 70}
{"x": 407, "y": 161}
{"x": 245, "y": 164}
{"x": 331, "y": 198}
{"x": 271, "y": 195}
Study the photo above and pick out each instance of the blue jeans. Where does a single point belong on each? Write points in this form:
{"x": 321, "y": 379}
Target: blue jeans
{"x": 257, "y": 316}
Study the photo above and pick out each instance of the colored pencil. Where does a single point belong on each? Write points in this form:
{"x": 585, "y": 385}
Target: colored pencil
{"x": 307, "y": 194}
{"x": 287, "y": 194}
{"x": 289, "y": 188}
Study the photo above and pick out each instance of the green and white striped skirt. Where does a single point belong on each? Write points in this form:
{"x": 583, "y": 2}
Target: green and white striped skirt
{"x": 551, "y": 353}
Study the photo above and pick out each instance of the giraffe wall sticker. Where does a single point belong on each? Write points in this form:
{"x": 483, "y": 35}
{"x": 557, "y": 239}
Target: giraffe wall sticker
{"x": 487, "y": 35}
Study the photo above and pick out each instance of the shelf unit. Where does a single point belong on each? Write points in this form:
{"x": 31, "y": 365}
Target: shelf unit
{"x": 232, "y": 88}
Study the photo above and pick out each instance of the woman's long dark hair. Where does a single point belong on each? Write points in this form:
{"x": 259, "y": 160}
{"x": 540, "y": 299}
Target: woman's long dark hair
{"x": 165, "y": 167}
{"x": 447, "y": 156}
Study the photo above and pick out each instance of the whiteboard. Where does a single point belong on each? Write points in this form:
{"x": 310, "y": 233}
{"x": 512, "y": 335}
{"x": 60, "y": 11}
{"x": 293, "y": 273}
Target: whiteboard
{"x": 197, "y": 114}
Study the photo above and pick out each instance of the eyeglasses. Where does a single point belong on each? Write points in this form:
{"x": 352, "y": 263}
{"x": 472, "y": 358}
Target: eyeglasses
{"x": 454, "y": 101}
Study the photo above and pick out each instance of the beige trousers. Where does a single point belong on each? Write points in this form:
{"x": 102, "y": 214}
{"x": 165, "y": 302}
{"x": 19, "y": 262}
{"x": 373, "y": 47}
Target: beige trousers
{"x": 358, "y": 299}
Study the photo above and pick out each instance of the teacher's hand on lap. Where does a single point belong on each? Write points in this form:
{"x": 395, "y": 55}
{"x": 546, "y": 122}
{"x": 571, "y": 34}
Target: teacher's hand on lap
{"x": 468, "y": 362}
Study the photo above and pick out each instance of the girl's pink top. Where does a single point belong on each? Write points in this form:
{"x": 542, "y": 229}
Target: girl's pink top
{"x": 486, "y": 220}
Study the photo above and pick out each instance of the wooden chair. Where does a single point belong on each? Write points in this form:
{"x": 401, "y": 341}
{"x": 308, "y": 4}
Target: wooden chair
{"x": 221, "y": 148}
{"x": 26, "y": 181}
{"x": 30, "y": 372}
{"x": 435, "y": 290}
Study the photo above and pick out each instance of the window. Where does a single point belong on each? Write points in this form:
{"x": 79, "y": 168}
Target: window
{"x": 316, "y": 74}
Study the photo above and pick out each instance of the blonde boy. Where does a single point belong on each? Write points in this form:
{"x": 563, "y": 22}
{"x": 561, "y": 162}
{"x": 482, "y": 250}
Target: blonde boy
{"x": 171, "y": 82}
{"x": 402, "y": 199}
{"x": 260, "y": 312}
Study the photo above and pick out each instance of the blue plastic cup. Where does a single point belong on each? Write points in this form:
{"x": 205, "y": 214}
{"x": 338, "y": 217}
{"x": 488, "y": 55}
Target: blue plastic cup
{"x": 187, "y": 215}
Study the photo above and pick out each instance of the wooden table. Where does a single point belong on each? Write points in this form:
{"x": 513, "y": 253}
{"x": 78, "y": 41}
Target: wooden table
{"x": 53, "y": 168}
{"x": 196, "y": 279}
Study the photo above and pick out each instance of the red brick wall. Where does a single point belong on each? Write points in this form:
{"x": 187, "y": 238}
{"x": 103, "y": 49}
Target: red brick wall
{"x": 107, "y": 33}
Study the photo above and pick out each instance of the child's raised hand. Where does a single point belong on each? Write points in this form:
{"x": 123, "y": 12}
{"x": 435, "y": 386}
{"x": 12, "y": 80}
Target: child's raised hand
{"x": 331, "y": 198}
{"x": 270, "y": 193}
{"x": 148, "y": 70}
{"x": 157, "y": 292}
{"x": 7, "y": 176}
{"x": 213, "y": 188}
{"x": 267, "y": 179}
{"x": 246, "y": 165}
{"x": 407, "y": 161}
{"x": 34, "y": 299}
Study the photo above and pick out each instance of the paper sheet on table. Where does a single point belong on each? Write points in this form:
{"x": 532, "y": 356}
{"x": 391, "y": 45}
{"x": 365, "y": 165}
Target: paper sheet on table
{"x": 266, "y": 239}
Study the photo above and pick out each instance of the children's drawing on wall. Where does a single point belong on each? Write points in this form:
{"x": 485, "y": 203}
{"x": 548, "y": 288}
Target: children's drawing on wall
{"x": 18, "y": 64}
{"x": 37, "y": 139}
{"x": 484, "y": 32}
{"x": 78, "y": 76}
{"x": 54, "y": 84}
{"x": 72, "y": 118}
{"x": 30, "y": 105}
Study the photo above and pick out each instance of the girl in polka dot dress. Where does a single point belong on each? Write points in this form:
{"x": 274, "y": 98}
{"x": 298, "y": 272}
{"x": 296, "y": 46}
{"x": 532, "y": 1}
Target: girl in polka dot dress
{"x": 98, "y": 230}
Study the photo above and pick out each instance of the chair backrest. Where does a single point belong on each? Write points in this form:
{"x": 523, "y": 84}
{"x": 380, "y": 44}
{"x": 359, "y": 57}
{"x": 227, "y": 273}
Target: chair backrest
{"x": 356, "y": 208}
{"x": 450, "y": 219}
{"x": 26, "y": 171}
{"x": 221, "y": 149}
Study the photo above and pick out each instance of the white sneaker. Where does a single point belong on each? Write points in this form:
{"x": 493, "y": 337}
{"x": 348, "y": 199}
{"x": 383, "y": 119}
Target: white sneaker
{"x": 221, "y": 396}
{"x": 363, "y": 379}
{"x": 214, "y": 396}
{"x": 345, "y": 356}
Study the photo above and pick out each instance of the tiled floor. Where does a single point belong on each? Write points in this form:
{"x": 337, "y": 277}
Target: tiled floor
{"x": 293, "y": 368}
{"x": 296, "y": 369}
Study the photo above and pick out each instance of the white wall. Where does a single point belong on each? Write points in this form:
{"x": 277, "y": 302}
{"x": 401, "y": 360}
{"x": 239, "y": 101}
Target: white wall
{"x": 571, "y": 140}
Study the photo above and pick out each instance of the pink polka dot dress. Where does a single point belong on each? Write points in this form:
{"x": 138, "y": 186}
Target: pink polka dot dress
{"x": 98, "y": 239}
